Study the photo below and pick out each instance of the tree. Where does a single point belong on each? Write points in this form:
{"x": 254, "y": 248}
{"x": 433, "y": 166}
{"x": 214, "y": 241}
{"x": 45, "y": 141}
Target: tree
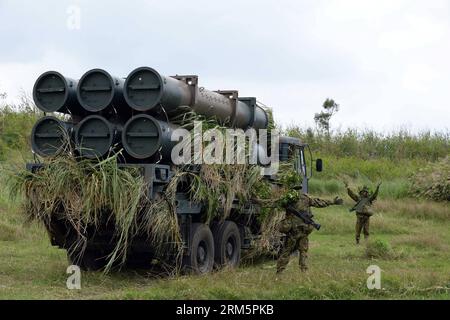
{"x": 3, "y": 97}
{"x": 322, "y": 119}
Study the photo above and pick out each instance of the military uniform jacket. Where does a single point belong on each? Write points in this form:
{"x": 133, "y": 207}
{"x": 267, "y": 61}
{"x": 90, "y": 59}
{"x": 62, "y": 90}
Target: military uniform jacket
{"x": 363, "y": 204}
{"x": 293, "y": 225}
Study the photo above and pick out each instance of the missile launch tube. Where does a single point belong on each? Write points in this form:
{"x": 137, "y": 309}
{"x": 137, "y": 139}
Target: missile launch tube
{"x": 143, "y": 136}
{"x": 98, "y": 91}
{"x": 145, "y": 89}
{"x": 96, "y": 137}
{"x": 52, "y": 92}
{"x": 50, "y": 136}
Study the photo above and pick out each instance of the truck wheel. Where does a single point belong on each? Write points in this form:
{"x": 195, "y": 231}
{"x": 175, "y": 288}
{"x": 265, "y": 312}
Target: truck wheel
{"x": 89, "y": 261}
{"x": 201, "y": 258}
{"x": 227, "y": 241}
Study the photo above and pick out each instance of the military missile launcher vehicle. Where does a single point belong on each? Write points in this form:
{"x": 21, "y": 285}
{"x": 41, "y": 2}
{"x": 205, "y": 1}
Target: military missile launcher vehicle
{"x": 101, "y": 114}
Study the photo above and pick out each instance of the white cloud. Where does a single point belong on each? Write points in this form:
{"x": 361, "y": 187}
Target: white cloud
{"x": 16, "y": 77}
{"x": 386, "y": 62}
{"x": 414, "y": 32}
{"x": 419, "y": 78}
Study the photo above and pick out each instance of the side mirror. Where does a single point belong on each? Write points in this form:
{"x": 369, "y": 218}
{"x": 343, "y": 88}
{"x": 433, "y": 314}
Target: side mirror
{"x": 319, "y": 165}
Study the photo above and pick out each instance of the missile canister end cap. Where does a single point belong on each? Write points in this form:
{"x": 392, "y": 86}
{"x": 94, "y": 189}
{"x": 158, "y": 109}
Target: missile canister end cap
{"x": 94, "y": 137}
{"x": 49, "y": 136}
{"x": 143, "y": 89}
{"x": 51, "y": 91}
{"x": 141, "y": 136}
{"x": 95, "y": 90}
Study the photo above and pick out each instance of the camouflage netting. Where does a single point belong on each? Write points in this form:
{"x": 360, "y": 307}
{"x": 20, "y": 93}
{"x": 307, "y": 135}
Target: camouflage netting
{"x": 82, "y": 192}
{"x": 433, "y": 181}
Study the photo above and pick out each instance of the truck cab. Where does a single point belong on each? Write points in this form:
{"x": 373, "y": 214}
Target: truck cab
{"x": 292, "y": 149}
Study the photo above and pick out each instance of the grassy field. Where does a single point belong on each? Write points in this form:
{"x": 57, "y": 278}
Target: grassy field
{"x": 413, "y": 236}
{"x": 415, "y": 264}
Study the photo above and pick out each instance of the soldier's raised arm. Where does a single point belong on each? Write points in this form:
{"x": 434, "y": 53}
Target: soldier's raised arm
{"x": 259, "y": 201}
{"x": 374, "y": 196}
{"x": 351, "y": 194}
{"x": 322, "y": 203}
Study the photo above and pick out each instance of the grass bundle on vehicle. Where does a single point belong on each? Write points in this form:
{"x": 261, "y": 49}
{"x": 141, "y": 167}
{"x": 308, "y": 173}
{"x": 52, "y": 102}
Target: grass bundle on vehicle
{"x": 82, "y": 192}
{"x": 86, "y": 193}
{"x": 219, "y": 186}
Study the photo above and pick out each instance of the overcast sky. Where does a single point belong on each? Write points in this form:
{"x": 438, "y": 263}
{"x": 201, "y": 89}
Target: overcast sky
{"x": 386, "y": 62}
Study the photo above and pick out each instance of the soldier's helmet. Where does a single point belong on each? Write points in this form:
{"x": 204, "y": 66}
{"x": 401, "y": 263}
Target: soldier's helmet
{"x": 364, "y": 190}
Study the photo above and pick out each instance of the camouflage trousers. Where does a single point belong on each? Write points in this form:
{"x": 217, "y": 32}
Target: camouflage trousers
{"x": 293, "y": 243}
{"x": 362, "y": 224}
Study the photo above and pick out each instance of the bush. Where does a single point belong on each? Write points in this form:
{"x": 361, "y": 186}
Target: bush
{"x": 15, "y": 129}
{"x": 433, "y": 181}
{"x": 378, "y": 249}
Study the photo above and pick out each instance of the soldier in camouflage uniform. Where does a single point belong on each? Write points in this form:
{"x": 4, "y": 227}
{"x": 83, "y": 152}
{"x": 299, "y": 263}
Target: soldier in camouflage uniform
{"x": 362, "y": 207}
{"x": 297, "y": 231}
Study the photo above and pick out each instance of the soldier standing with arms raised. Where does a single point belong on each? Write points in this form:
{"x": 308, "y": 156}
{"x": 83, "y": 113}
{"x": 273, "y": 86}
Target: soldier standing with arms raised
{"x": 362, "y": 207}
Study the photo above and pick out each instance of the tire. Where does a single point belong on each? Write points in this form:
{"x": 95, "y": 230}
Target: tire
{"x": 201, "y": 258}
{"x": 227, "y": 241}
{"x": 90, "y": 260}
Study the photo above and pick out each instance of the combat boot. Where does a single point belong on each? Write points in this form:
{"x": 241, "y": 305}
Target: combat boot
{"x": 302, "y": 262}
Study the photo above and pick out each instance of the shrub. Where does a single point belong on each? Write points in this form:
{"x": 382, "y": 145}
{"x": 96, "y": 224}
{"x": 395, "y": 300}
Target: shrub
{"x": 433, "y": 181}
{"x": 15, "y": 129}
{"x": 378, "y": 249}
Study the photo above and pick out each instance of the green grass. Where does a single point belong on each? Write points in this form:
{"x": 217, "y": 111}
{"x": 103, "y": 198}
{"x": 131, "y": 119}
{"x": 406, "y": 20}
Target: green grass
{"x": 15, "y": 128}
{"x": 417, "y": 266}
{"x": 369, "y": 144}
{"x": 372, "y": 169}
{"x": 392, "y": 189}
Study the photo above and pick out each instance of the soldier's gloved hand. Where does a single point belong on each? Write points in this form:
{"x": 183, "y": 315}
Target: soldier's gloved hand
{"x": 338, "y": 201}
